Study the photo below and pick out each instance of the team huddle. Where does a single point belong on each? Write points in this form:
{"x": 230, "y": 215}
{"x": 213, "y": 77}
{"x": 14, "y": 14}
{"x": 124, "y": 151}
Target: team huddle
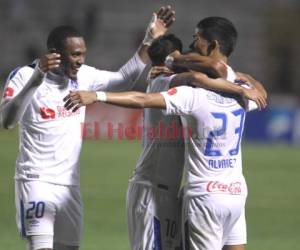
{"x": 187, "y": 192}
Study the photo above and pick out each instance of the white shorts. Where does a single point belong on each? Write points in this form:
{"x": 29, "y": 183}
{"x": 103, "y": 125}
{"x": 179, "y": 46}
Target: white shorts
{"x": 48, "y": 209}
{"x": 212, "y": 221}
{"x": 153, "y": 217}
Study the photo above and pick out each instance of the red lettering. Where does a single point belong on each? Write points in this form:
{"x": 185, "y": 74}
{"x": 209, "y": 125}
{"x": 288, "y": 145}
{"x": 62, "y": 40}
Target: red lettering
{"x": 232, "y": 188}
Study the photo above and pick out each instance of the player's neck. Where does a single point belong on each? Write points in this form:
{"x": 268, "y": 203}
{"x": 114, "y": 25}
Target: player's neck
{"x": 59, "y": 79}
{"x": 216, "y": 55}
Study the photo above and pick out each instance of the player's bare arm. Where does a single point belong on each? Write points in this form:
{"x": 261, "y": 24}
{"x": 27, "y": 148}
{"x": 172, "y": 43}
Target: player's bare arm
{"x": 193, "y": 61}
{"x": 253, "y": 82}
{"x": 131, "y": 99}
{"x": 158, "y": 26}
{"x": 12, "y": 110}
{"x": 201, "y": 80}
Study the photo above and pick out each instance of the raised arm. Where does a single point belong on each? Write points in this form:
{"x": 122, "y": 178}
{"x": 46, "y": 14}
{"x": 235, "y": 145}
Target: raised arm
{"x": 131, "y": 99}
{"x": 196, "y": 62}
{"x": 12, "y": 107}
{"x": 125, "y": 78}
{"x": 159, "y": 24}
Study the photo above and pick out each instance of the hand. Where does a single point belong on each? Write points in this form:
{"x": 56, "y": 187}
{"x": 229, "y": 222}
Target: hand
{"x": 255, "y": 95}
{"x": 49, "y": 61}
{"x": 159, "y": 24}
{"x": 253, "y": 82}
{"x": 165, "y": 18}
{"x": 159, "y": 70}
{"x": 77, "y": 99}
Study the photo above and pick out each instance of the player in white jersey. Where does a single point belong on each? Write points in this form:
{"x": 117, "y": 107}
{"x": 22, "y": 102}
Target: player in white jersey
{"x": 146, "y": 201}
{"x": 49, "y": 210}
{"x": 152, "y": 202}
{"x": 153, "y": 198}
{"x": 153, "y": 205}
{"x": 215, "y": 192}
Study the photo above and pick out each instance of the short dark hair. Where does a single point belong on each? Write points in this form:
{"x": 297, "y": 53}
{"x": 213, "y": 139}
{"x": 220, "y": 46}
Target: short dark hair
{"x": 58, "y": 35}
{"x": 220, "y": 29}
{"x": 162, "y": 47}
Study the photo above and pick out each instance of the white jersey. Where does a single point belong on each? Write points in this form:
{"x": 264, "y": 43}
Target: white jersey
{"x": 50, "y": 136}
{"x": 215, "y": 125}
{"x": 162, "y": 159}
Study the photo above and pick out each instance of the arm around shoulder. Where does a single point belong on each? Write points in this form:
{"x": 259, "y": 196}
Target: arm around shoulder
{"x": 204, "y": 64}
{"x": 201, "y": 80}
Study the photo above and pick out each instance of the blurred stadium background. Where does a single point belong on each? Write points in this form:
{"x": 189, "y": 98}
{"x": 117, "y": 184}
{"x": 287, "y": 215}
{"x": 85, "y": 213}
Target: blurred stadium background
{"x": 267, "y": 49}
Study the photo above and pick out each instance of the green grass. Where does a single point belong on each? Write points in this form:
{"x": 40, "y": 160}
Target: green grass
{"x": 273, "y": 206}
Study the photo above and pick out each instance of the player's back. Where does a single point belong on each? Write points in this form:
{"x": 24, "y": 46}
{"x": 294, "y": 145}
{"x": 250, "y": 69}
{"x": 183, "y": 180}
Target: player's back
{"x": 162, "y": 158}
{"x": 213, "y": 148}
{"x": 214, "y": 122}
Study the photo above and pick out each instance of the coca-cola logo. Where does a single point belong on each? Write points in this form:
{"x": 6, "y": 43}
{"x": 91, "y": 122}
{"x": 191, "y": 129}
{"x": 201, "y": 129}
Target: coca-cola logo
{"x": 216, "y": 186}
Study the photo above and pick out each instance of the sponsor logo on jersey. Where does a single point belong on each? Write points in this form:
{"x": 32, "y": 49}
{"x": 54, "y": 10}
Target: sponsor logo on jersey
{"x": 62, "y": 112}
{"x": 172, "y": 91}
{"x": 8, "y": 92}
{"x": 47, "y": 113}
{"x": 217, "y": 187}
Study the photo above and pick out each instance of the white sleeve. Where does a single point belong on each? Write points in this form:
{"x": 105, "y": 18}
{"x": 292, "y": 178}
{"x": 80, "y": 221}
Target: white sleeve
{"x": 181, "y": 100}
{"x": 250, "y": 105}
{"x": 13, "y": 85}
{"x": 122, "y": 80}
{"x": 18, "y": 92}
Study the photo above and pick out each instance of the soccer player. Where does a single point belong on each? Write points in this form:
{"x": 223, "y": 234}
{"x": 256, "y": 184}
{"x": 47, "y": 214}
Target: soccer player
{"x": 48, "y": 200}
{"x": 153, "y": 199}
{"x": 215, "y": 189}
{"x": 152, "y": 202}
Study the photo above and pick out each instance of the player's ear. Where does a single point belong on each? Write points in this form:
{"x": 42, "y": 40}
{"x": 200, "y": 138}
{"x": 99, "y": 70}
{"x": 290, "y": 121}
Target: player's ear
{"x": 214, "y": 45}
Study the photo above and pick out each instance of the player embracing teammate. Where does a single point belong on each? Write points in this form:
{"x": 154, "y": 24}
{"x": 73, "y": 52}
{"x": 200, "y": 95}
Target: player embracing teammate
{"x": 48, "y": 199}
{"x": 215, "y": 190}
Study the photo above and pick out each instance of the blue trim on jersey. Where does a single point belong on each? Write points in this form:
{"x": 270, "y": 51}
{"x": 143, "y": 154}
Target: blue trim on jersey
{"x": 32, "y": 65}
{"x": 23, "y": 231}
{"x": 157, "y": 238}
{"x": 186, "y": 236}
{"x": 13, "y": 73}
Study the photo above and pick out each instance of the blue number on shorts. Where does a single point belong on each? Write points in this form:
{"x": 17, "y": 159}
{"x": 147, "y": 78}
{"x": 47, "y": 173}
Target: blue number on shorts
{"x": 214, "y": 133}
{"x": 209, "y": 151}
{"x": 239, "y": 130}
{"x": 36, "y": 210}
